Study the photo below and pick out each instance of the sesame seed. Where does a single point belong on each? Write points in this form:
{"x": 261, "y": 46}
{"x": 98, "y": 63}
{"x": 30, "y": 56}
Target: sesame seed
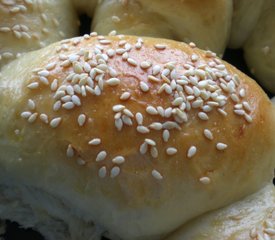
{"x": 44, "y": 118}
{"x": 125, "y": 56}
{"x": 143, "y": 129}
{"x": 104, "y": 41}
{"x": 126, "y": 120}
{"x": 118, "y": 108}
{"x": 156, "y": 70}
{"x": 26, "y": 114}
{"x": 234, "y": 98}
{"x": 132, "y": 61}
{"x": 144, "y": 87}
{"x": 32, "y": 117}
{"x": 154, "y": 152}
{"x": 125, "y": 96}
{"x": 157, "y": 175}
{"x": 143, "y": 148}
{"x": 31, "y": 104}
{"x": 178, "y": 101}
{"x": 247, "y": 106}
{"x": 70, "y": 151}
{"x": 54, "y": 85}
{"x": 68, "y": 105}
{"x": 194, "y": 57}
{"x": 80, "y": 161}
{"x": 113, "y": 81}
{"x": 156, "y": 126}
{"x": 44, "y": 80}
{"x": 55, "y": 122}
{"x": 192, "y": 45}
{"x": 51, "y": 66}
{"x": 76, "y": 100}
{"x": 168, "y": 112}
{"x": 44, "y": 73}
{"x": 145, "y": 64}
{"x": 191, "y": 151}
{"x": 153, "y": 79}
{"x": 114, "y": 172}
{"x": 248, "y": 118}
{"x": 101, "y": 156}
{"x": 118, "y": 160}
{"x": 150, "y": 142}
{"x": 239, "y": 112}
{"x": 221, "y": 146}
{"x": 270, "y": 231}
{"x": 208, "y": 134}
{"x": 151, "y": 110}
{"x": 171, "y": 151}
{"x": 111, "y": 52}
{"x": 128, "y": 112}
{"x": 57, "y": 105}
{"x": 81, "y": 119}
{"x": 95, "y": 141}
{"x": 102, "y": 172}
{"x": 170, "y": 125}
{"x": 242, "y": 93}
{"x": 139, "y": 118}
{"x": 166, "y": 135}
{"x": 160, "y": 46}
{"x": 221, "y": 111}
{"x": 205, "y": 180}
{"x": 33, "y": 85}
{"x": 118, "y": 124}
{"x": 203, "y": 116}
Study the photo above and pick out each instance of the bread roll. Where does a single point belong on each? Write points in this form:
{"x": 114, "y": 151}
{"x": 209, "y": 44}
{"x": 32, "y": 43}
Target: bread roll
{"x": 207, "y": 23}
{"x": 260, "y": 48}
{"x": 27, "y": 25}
{"x": 245, "y": 16}
{"x": 250, "y": 218}
{"x": 128, "y": 137}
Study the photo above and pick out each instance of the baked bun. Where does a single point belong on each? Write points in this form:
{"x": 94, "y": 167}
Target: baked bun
{"x": 245, "y": 16}
{"x": 259, "y": 49}
{"x": 250, "y": 218}
{"x": 128, "y": 136}
{"x": 207, "y": 23}
{"x": 26, "y": 25}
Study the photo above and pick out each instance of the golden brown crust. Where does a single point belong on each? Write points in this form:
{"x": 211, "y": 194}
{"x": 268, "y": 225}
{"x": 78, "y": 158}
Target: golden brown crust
{"x": 158, "y": 181}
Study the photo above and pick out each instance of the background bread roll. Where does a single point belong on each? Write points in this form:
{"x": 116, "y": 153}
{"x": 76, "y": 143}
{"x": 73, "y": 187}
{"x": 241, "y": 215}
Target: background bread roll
{"x": 26, "y": 25}
{"x": 260, "y": 48}
{"x": 207, "y": 23}
{"x": 250, "y": 218}
{"x": 183, "y": 133}
{"x": 245, "y": 16}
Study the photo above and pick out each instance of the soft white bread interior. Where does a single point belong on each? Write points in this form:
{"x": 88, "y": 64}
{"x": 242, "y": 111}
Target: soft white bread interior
{"x": 207, "y": 23}
{"x": 251, "y": 218}
{"x": 260, "y": 48}
{"x": 131, "y": 136}
{"x": 245, "y": 16}
{"x": 27, "y": 25}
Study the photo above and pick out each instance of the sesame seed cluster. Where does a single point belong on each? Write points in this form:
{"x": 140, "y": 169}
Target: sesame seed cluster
{"x": 203, "y": 86}
{"x": 18, "y": 10}
{"x": 264, "y": 232}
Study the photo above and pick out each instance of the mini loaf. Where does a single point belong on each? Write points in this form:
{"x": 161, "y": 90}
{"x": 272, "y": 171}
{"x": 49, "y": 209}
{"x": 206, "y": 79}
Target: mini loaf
{"x": 128, "y": 137}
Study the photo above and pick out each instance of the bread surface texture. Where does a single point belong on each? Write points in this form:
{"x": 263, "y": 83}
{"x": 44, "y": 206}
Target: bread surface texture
{"x": 137, "y": 135}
